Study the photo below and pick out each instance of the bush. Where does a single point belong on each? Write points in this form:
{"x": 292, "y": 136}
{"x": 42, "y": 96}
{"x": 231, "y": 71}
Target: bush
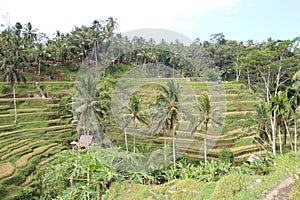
{"x": 260, "y": 166}
{"x": 211, "y": 74}
{"x": 73, "y": 67}
{"x": 226, "y": 155}
{"x": 27, "y": 193}
{"x": 17, "y": 179}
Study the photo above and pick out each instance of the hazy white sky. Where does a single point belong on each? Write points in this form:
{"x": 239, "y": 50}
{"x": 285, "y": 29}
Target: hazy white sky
{"x": 237, "y": 19}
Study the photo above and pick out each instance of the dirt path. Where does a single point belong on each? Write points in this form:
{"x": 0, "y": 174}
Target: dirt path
{"x": 281, "y": 191}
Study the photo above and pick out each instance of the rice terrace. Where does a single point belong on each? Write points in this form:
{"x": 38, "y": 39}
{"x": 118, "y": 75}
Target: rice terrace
{"x": 96, "y": 114}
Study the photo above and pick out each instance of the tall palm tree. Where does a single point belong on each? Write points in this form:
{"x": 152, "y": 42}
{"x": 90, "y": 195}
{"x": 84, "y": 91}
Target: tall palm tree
{"x": 29, "y": 36}
{"x": 83, "y": 43}
{"x": 85, "y": 103}
{"x": 96, "y": 36}
{"x": 294, "y": 100}
{"x": 12, "y": 75}
{"x": 207, "y": 115}
{"x": 287, "y": 115}
{"x": 111, "y": 25}
{"x": 168, "y": 101}
{"x": 137, "y": 116}
{"x": 12, "y": 60}
{"x": 40, "y": 54}
{"x": 278, "y": 106}
{"x": 162, "y": 123}
{"x": 261, "y": 121}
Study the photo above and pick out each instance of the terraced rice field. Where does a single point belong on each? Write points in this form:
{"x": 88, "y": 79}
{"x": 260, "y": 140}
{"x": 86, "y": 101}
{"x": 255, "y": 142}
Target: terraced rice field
{"x": 31, "y": 143}
{"x": 40, "y": 134}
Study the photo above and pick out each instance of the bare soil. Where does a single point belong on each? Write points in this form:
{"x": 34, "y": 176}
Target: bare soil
{"x": 281, "y": 191}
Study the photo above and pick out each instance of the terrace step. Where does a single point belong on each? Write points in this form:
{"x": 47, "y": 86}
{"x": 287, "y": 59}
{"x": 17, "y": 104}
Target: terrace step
{"x": 26, "y": 114}
{"x": 35, "y": 129}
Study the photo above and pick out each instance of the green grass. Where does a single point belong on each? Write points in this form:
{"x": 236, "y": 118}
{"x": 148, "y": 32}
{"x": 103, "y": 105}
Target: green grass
{"x": 233, "y": 186}
{"x": 176, "y": 189}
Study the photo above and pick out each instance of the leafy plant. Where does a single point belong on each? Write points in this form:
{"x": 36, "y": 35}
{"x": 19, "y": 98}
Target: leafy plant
{"x": 259, "y": 166}
{"x": 226, "y": 155}
{"x": 73, "y": 67}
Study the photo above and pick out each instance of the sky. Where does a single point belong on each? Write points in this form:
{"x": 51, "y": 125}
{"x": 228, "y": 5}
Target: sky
{"x": 236, "y": 19}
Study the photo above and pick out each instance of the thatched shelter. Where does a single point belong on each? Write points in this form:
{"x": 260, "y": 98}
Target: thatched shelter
{"x": 85, "y": 140}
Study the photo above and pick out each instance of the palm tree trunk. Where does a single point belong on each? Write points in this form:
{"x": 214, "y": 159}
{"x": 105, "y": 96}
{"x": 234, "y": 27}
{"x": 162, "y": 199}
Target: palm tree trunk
{"x": 248, "y": 79}
{"x": 165, "y": 144}
{"x": 295, "y": 130}
{"x": 280, "y": 139}
{"x": 39, "y": 72}
{"x": 125, "y": 135}
{"x": 174, "y": 149}
{"x": 284, "y": 137}
{"x": 96, "y": 59}
{"x": 289, "y": 133}
{"x": 173, "y": 67}
{"x": 15, "y": 104}
{"x": 134, "y": 133}
{"x": 110, "y": 133}
{"x": 205, "y": 150}
{"x": 273, "y": 125}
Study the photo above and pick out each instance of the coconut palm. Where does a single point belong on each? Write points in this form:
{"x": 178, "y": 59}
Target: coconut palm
{"x": 162, "y": 123}
{"x": 12, "y": 60}
{"x": 30, "y": 36}
{"x": 168, "y": 101}
{"x": 13, "y": 76}
{"x": 95, "y": 38}
{"x": 207, "y": 115}
{"x": 260, "y": 118}
{"x": 111, "y": 25}
{"x": 294, "y": 100}
{"x": 85, "y": 103}
{"x": 278, "y": 106}
{"x": 137, "y": 116}
{"x": 40, "y": 54}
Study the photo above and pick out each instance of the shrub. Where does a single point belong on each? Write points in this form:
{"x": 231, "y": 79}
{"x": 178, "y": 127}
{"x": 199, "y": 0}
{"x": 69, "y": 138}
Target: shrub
{"x": 260, "y": 166}
{"x": 73, "y": 67}
{"x": 226, "y": 155}
{"x": 17, "y": 179}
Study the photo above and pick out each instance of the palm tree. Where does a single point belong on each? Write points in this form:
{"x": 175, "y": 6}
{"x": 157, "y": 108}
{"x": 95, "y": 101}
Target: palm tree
{"x": 137, "y": 116}
{"x": 40, "y": 54}
{"x": 30, "y": 36}
{"x": 294, "y": 100}
{"x": 13, "y": 76}
{"x": 168, "y": 101}
{"x": 111, "y": 25}
{"x": 95, "y": 37}
{"x": 83, "y": 43}
{"x": 12, "y": 60}
{"x": 207, "y": 115}
{"x": 85, "y": 102}
{"x": 287, "y": 114}
{"x": 261, "y": 120}
{"x": 162, "y": 123}
{"x": 278, "y": 106}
